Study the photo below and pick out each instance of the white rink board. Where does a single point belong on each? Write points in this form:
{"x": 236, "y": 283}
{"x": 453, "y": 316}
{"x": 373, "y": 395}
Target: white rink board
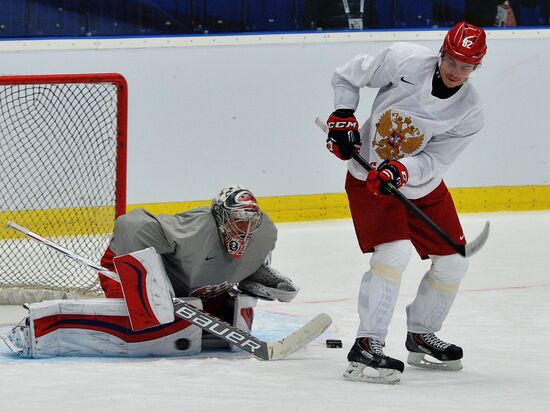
{"x": 500, "y": 318}
{"x": 205, "y": 112}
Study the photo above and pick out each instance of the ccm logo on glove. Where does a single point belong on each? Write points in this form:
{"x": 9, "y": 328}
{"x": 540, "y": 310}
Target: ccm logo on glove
{"x": 343, "y": 125}
{"x": 343, "y": 134}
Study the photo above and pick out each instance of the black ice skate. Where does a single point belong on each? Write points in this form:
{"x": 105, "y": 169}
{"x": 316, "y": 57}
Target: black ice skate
{"x": 369, "y": 364}
{"x": 428, "y": 351}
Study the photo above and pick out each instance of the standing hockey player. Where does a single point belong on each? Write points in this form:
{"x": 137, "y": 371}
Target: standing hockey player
{"x": 425, "y": 113}
{"x": 216, "y": 257}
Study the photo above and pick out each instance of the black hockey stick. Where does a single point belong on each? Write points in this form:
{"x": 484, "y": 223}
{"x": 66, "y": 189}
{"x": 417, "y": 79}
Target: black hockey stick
{"x": 466, "y": 250}
{"x": 235, "y": 336}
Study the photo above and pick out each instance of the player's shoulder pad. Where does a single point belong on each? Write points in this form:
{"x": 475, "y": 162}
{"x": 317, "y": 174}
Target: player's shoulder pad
{"x": 134, "y": 219}
{"x": 268, "y": 225}
{"x": 474, "y": 118}
{"x": 409, "y": 58}
{"x": 195, "y": 212}
{"x": 404, "y": 50}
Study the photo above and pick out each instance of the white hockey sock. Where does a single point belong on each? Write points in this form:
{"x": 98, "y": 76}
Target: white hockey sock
{"x": 436, "y": 294}
{"x": 380, "y": 288}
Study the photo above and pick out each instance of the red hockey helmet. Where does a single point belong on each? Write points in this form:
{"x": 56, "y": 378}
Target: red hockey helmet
{"x": 466, "y": 42}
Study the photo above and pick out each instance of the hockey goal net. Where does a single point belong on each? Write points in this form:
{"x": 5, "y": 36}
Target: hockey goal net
{"x": 62, "y": 175}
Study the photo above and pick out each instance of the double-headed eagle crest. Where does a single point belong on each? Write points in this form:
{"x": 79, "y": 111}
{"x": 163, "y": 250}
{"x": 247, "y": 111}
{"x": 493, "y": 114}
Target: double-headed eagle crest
{"x": 395, "y": 137}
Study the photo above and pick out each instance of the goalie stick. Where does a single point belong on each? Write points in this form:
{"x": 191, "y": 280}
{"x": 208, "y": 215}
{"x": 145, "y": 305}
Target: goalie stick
{"x": 235, "y": 336}
{"x": 466, "y": 250}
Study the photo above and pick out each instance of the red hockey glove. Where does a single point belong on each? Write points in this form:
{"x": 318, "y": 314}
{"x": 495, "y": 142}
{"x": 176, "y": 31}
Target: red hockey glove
{"x": 343, "y": 136}
{"x": 389, "y": 171}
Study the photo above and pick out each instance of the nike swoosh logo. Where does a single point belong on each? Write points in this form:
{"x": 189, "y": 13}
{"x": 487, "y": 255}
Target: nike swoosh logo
{"x": 462, "y": 237}
{"x": 209, "y": 257}
{"x": 406, "y": 81}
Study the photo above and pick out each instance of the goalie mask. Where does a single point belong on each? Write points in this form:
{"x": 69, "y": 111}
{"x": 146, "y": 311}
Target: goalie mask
{"x": 237, "y": 216}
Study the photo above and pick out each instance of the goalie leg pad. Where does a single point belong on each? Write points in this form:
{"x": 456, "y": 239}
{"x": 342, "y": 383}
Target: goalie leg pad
{"x": 99, "y": 327}
{"x": 243, "y": 317}
{"x": 235, "y": 308}
{"x": 269, "y": 284}
{"x": 146, "y": 287}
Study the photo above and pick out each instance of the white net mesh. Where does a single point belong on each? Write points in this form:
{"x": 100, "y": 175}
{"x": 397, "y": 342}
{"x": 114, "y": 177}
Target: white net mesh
{"x": 60, "y": 147}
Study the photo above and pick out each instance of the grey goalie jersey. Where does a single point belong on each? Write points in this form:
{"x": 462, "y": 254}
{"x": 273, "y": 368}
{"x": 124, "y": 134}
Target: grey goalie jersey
{"x": 195, "y": 259}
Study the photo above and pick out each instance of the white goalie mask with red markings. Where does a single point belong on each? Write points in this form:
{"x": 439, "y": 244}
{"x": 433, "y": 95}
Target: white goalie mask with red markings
{"x": 237, "y": 216}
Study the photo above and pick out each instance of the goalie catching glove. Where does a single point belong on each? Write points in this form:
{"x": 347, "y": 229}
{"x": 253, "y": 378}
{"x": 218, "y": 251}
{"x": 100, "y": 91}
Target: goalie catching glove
{"x": 389, "y": 171}
{"x": 268, "y": 284}
{"x": 343, "y": 135}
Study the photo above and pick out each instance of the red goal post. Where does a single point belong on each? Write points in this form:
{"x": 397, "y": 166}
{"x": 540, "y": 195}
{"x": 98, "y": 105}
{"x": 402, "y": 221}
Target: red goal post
{"x": 63, "y": 174}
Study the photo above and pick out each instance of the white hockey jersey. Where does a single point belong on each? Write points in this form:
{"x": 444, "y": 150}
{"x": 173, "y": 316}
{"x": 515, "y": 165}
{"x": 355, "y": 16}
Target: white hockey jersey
{"x": 407, "y": 122}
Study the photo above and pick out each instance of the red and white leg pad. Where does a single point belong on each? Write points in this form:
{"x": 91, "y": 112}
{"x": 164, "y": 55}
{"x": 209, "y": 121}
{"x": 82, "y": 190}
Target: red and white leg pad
{"x": 99, "y": 327}
{"x": 146, "y": 288}
{"x": 242, "y": 311}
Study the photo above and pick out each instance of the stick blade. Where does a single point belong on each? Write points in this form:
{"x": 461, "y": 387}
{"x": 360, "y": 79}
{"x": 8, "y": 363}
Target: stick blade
{"x": 300, "y": 338}
{"x": 475, "y": 246}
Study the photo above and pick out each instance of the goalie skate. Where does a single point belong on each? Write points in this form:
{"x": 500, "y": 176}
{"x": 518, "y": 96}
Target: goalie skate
{"x": 369, "y": 364}
{"x": 428, "y": 351}
{"x": 18, "y": 340}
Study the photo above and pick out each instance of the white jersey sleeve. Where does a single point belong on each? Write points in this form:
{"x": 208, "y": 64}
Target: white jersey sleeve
{"x": 407, "y": 122}
{"x": 364, "y": 70}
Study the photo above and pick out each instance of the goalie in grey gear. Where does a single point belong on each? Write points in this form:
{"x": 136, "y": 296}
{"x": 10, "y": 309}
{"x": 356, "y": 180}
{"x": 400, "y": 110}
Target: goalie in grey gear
{"x": 216, "y": 258}
{"x": 208, "y": 252}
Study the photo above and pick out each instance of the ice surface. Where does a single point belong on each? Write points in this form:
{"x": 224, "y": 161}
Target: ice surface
{"x": 501, "y": 318}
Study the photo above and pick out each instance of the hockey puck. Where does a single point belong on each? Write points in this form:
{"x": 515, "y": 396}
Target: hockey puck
{"x": 334, "y": 343}
{"x": 182, "y": 344}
